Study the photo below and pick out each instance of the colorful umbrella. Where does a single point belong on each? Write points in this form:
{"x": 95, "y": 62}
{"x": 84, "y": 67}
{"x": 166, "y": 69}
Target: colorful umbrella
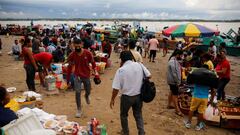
{"x": 189, "y": 30}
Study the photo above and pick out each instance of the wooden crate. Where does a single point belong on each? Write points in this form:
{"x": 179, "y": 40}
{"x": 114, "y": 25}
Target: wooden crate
{"x": 230, "y": 121}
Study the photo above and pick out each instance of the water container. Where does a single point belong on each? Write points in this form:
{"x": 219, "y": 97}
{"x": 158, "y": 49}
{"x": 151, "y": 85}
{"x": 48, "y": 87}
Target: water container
{"x": 51, "y": 83}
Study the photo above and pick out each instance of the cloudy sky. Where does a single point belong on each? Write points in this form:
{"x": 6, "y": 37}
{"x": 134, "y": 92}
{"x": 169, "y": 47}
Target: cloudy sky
{"x": 141, "y": 9}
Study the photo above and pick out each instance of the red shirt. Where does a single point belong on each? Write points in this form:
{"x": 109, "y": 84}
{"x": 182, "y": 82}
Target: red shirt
{"x": 44, "y": 58}
{"x": 224, "y": 64}
{"x": 82, "y": 62}
{"x": 27, "y": 60}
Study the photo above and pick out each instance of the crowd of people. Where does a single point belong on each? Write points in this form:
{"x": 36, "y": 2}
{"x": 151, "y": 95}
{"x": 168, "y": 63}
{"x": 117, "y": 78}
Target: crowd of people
{"x": 38, "y": 52}
{"x": 213, "y": 60}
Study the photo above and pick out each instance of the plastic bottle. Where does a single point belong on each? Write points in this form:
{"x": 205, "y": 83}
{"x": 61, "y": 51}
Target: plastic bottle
{"x": 103, "y": 130}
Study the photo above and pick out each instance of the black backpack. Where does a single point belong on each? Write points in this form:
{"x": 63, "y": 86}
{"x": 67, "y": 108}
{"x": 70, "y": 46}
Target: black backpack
{"x": 148, "y": 89}
{"x": 204, "y": 77}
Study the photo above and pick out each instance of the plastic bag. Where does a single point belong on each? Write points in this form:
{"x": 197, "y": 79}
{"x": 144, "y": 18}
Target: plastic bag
{"x": 208, "y": 115}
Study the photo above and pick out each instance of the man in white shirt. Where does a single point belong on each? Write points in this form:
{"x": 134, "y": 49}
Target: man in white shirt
{"x": 128, "y": 81}
{"x": 16, "y": 48}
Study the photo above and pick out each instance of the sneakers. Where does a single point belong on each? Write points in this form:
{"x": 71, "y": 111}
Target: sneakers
{"x": 78, "y": 114}
{"x": 187, "y": 124}
{"x": 200, "y": 126}
{"x": 87, "y": 99}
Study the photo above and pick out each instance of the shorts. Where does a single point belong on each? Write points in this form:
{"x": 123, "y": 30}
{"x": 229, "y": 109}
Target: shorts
{"x": 174, "y": 89}
{"x": 153, "y": 53}
{"x": 199, "y": 104}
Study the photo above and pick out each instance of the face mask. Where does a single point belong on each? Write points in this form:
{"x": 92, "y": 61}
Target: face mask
{"x": 78, "y": 49}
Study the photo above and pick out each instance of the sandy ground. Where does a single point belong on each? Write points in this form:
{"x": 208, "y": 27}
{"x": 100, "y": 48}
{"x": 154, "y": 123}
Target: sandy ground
{"x": 157, "y": 119}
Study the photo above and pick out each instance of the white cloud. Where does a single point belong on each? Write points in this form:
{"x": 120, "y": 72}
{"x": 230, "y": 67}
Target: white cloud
{"x": 94, "y": 14}
{"x": 107, "y": 5}
{"x": 143, "y": 15}
{"x": 5, "y": 14}
{"x": 75, "y": 9}
{"x": 64, "y": 13}
{"x": 212, "y": 4}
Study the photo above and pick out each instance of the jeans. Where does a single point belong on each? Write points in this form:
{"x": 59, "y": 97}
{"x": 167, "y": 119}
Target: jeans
{"x": 136, "y": 103}
{"x": 30, "y": 74}
{"x": 221, "y": 85}
{"x": 78, "y": 86}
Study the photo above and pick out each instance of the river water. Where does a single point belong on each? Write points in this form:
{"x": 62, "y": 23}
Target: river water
{"x": 152, "y": 25}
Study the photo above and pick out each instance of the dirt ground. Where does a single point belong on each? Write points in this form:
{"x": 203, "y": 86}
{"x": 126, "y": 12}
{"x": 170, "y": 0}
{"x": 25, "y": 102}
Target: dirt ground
{"x": 157, "y": 119}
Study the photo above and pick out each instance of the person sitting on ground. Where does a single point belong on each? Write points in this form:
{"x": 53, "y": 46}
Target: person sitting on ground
{"x": 6, "y": 115}
{"x": 136, "y": 55}
{"x": 199, "y": 102}
{"x": 16, "y": 48}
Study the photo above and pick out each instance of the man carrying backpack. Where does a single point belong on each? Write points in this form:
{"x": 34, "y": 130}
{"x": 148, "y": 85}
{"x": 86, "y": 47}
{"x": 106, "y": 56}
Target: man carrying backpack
{"x": 128, "y": 80}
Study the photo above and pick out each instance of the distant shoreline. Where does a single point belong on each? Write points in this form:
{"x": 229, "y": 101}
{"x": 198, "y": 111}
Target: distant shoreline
{"x": 105, "y": 19}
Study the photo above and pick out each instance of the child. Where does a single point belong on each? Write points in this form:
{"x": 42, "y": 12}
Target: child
{"x": 199, "y": 102}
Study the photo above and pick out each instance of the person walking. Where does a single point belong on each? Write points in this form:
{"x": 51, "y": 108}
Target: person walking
{"x": 128, "y": 81}
{"x": 165, "y": 47}
{"x": 153, "y": 47}
{"x": 81, "y": 58}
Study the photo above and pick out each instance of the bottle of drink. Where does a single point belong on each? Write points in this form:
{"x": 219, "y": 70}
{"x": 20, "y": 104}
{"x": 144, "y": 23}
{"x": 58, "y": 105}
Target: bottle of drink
{"x": 75, "y": 131}
{"x": 103, "y": 130}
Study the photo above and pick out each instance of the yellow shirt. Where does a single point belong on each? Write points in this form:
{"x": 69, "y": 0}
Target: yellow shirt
{"x": 210, "y": 64}
{"x": 102, "y": 37}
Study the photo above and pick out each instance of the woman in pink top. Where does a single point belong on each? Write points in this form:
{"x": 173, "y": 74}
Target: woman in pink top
{"x": 153, "y": 47}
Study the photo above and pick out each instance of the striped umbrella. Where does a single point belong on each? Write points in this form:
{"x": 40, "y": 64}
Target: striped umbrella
{"x": 189, "y": 30}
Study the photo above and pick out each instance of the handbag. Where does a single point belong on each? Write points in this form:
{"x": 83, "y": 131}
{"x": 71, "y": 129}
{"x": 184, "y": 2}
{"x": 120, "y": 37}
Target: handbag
{"x": 148, "y": 89}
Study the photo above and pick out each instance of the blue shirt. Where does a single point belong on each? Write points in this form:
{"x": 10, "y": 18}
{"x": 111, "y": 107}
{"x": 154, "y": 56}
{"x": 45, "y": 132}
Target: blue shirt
{"x": 6, "y": 116}
{"x": 200, "y": 91}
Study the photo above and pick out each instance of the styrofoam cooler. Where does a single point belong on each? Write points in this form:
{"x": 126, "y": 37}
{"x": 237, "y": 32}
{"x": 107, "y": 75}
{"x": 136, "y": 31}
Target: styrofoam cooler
{"x": 25, "y": 125}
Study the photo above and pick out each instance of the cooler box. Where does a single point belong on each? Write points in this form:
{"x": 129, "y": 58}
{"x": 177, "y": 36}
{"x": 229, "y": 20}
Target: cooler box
{"x": 24, "y": 126}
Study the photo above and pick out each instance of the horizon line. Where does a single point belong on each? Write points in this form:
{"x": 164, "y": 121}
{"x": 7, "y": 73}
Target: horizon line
{"x": 117, "y": 19}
